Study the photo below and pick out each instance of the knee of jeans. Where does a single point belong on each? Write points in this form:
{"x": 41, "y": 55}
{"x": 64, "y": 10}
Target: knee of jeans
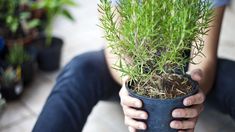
{"x": 78, "y": 67}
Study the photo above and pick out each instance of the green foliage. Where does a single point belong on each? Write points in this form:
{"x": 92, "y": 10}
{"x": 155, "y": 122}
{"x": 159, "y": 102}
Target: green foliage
{"x": 17, "y": 55}
{"x": 13, "y": 17}
{"x": 151, "y": 37}
{"x": 8, "y": 10}
{"x": 53, "y": 9}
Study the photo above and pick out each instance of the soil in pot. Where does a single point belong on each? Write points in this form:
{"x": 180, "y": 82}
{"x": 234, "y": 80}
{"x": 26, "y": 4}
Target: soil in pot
{"x": 12, "y": 91}
{"x": 160, "y": 106}
{"x": 49, "y": 57}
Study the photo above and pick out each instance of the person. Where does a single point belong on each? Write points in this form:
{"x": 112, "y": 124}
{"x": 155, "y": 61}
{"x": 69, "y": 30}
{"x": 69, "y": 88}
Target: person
{"x": 89, "y": 78}
{"x": 204, "y": 73}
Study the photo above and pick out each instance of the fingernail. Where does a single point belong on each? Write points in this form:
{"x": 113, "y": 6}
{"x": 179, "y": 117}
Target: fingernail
{"x": 175, "y": 114}
{"x": 143, "y": 116}
{"x": 174, "y": 125}
{"x": 187, "y": 102}
{"x": 137, "y": 104}
{"x": 142, "y": 126}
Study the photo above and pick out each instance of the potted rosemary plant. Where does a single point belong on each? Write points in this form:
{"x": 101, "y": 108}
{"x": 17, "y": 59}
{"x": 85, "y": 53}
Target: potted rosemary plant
{"x": 50, "y": 47}
{"x": 153, "y": 41}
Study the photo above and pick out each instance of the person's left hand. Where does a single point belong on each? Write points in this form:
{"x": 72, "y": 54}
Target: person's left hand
{"x": 195, "y": 107}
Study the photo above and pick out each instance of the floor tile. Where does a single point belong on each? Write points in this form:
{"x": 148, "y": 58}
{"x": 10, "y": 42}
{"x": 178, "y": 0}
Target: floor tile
{"x": 106, "y": 117}
{"x": 25, "y": 125}
{"x": 13, "y": 113}
{"x": 36, "y": 94}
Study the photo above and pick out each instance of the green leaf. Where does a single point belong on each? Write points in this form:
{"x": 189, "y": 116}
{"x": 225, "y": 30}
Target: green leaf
{"x": 69, "y": 2}
{"x": 39, "y": 5}
{"x": 25, "y": 15}
{"x": 68, "y": 15}
{"x": 33, "y": 23}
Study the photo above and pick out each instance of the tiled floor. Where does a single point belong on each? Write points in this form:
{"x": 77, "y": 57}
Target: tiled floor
{"x": 84, "y": 35}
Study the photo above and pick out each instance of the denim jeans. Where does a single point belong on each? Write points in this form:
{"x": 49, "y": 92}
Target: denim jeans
{"x": 86, "y": 80}
{"x": 222, "y": 96}
{"x": 83, "y": 82}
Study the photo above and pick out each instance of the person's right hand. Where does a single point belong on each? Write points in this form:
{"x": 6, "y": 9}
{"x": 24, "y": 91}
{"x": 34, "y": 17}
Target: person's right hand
{"x": 129, "y": 105}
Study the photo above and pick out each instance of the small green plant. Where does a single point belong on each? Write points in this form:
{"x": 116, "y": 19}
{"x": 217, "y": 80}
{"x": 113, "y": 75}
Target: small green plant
{"x": 8, "y": 13}
{"x": 9, "y": 76}
{"x": 13, "y": 18}
{"x": 53, "y": 9}
{"x": 151, "y": 39}
{"x": 17, "y": 55}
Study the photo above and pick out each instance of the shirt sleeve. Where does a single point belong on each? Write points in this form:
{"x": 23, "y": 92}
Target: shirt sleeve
{"x": 218, "y": 3}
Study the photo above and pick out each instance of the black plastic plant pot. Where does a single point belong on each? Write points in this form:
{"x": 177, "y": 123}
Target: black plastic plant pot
{"x": 160, "y": 110}
{"x": 12, "y": 91}
{"x": 29, "y": 67}
{"x": 49, "y": 57}
{"x": 28, "y": 72}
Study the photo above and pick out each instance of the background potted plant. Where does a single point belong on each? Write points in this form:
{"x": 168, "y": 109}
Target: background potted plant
{"x": 17, "y": 24}
{"x": 50, "y": 47}
{"x": 11, "y": 85}
{"x": 18, "y": 57}
{"x": 153, "y": 41}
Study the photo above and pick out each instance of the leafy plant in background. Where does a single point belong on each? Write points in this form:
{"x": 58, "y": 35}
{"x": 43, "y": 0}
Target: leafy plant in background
{"x": 53, "y": 9}
{"x": 17, "y": 55}
{"x": 13, "y": 18}
{"x": 151, "y": 39}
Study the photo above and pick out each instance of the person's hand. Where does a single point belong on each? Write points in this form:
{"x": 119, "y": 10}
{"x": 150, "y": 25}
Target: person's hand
{"x": 129, "y": 104}
{"x": 195, "y": 104}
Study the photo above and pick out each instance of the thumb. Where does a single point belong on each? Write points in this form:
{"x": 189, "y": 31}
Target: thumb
{"x": 196, "y": 75}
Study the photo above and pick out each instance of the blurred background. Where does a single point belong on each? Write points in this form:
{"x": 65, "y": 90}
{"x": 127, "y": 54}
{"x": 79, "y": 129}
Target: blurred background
{"x": 36, "y": 42}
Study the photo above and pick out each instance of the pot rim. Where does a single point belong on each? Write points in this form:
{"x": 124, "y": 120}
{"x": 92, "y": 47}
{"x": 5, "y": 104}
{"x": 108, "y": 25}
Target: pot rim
{"x": 194, "y": 91}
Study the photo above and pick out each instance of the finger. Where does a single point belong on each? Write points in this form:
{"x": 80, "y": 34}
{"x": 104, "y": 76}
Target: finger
{"x": 197, "y": 75}
{"x": 131, "y": 129}
{"x": 135, "y": 124}
{"x": 133, "y": 113}
{"x": 123, "y": 91}
{"x": 198, "y": 98}
{"x": 188, "y": 112}
{"x": 187, "y": 124}
{"x": 130, "y": 101}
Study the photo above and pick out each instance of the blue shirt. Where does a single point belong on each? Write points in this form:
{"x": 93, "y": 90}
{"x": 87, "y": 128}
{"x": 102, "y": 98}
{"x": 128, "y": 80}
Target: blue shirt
{"x": 218, "y": 3}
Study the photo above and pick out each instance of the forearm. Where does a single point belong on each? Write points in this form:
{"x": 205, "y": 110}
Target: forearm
{"x": 111, "y": 60}
{"x": 208, "y": 63}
